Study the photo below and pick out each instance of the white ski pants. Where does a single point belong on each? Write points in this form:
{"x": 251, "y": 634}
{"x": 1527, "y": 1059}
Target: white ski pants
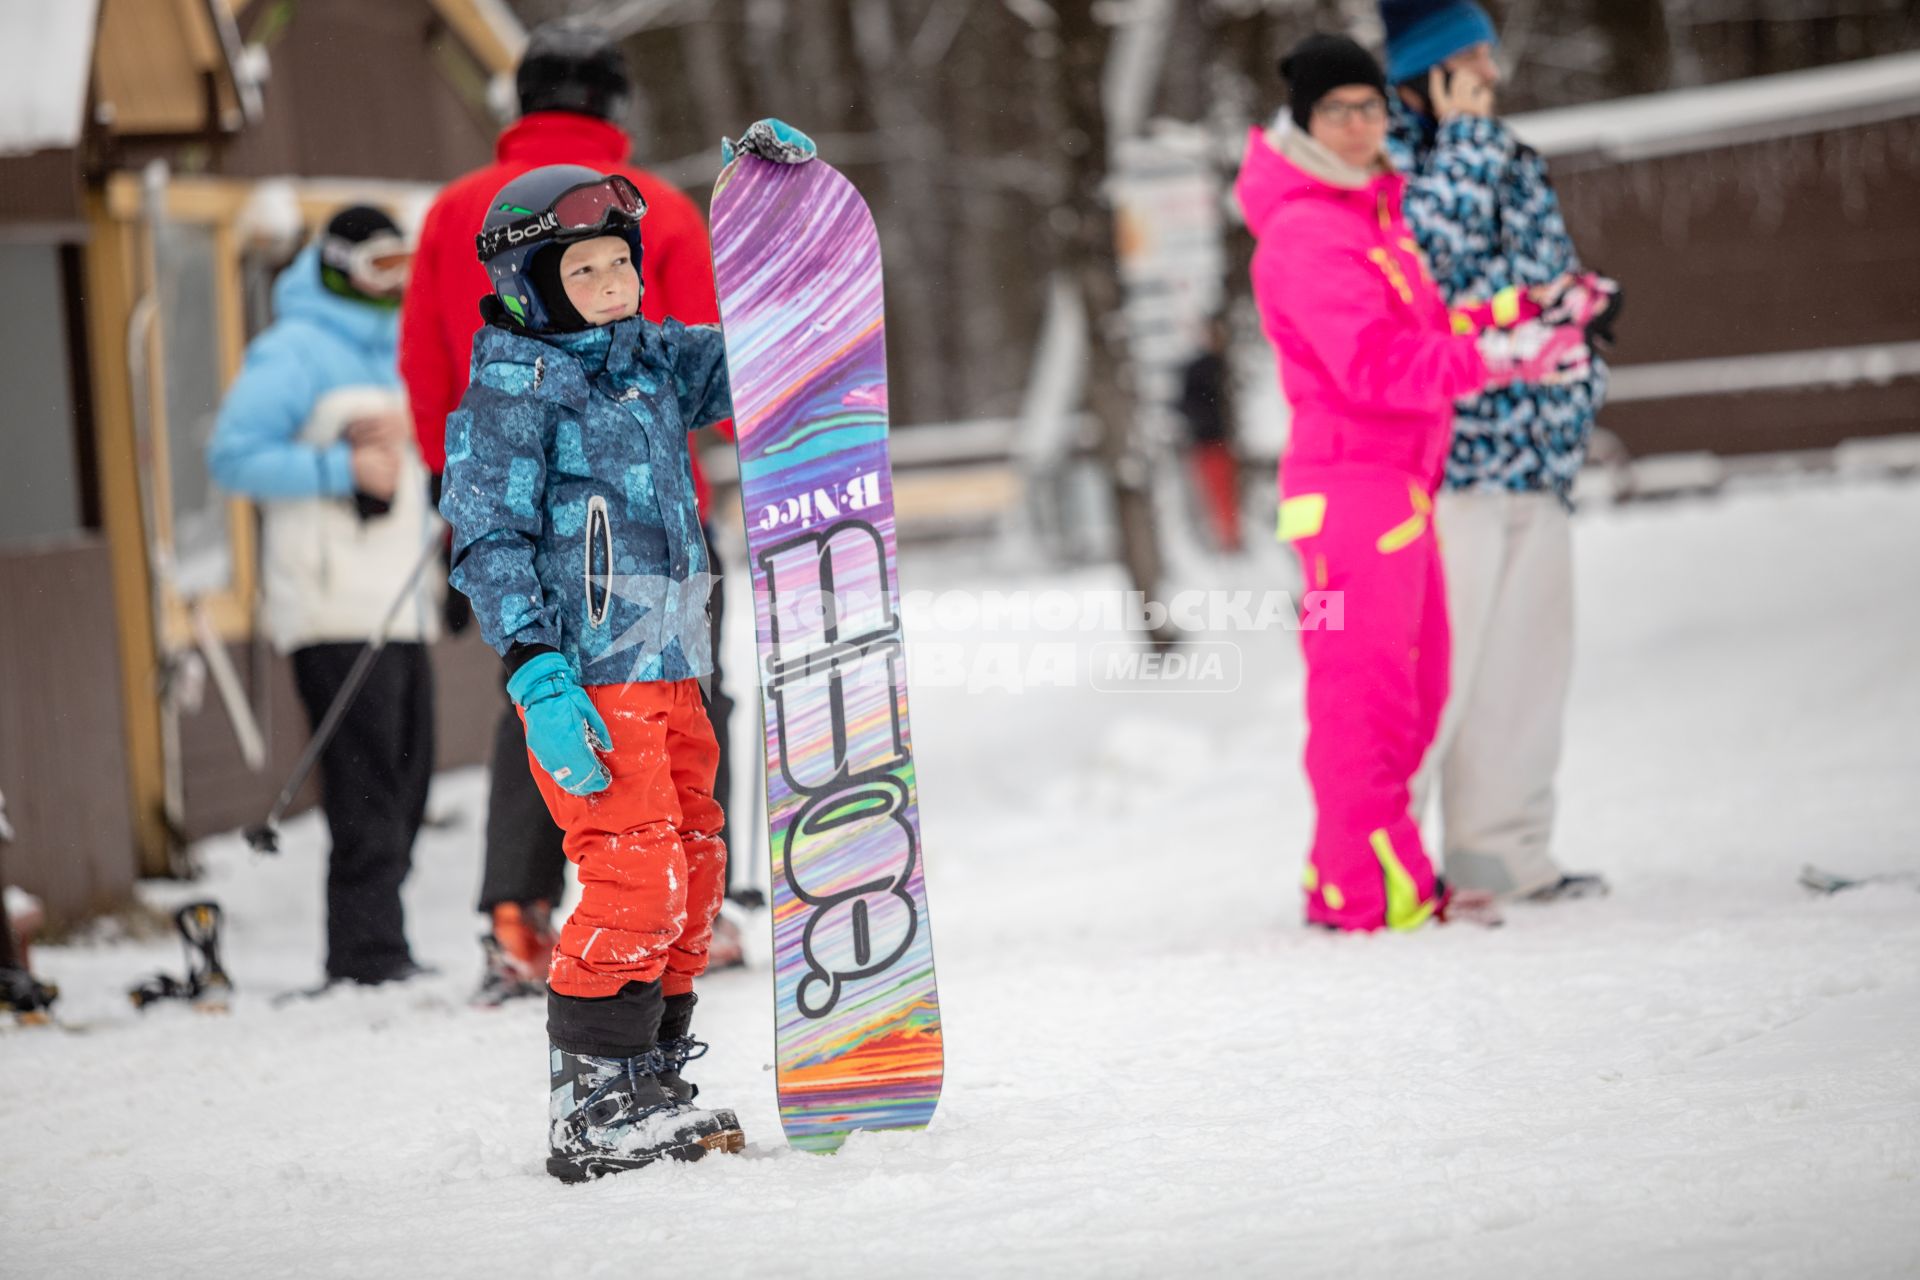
{"x": 1508, "y": 558}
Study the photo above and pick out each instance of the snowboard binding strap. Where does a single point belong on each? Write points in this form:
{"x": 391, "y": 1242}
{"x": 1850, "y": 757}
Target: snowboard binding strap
{"x": 207, "y": 986}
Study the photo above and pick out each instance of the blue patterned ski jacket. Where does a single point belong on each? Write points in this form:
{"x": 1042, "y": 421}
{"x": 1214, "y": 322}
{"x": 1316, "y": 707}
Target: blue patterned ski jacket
{"x": 1485, "y": 215}
{"x": 571, "y": 498}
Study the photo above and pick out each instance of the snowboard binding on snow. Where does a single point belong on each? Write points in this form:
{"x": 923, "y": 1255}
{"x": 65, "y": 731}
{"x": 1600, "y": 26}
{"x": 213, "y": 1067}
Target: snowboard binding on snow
{"x": 24, "y": 999}
{"x": 1828, "y": 882}
{"x": 206, "y": 987}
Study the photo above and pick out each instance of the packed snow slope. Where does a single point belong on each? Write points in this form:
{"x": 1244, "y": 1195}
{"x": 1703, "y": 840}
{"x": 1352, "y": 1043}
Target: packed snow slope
{"x": 1153, "y": 1069}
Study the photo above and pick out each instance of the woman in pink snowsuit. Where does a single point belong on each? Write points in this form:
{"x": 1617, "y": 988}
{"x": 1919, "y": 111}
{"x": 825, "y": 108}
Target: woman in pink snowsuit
{"x": 1371, "y": 364}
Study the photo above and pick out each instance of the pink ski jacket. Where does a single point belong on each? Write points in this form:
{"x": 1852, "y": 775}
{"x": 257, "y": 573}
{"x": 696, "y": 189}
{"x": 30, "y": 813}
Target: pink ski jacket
{"x": 1368, "y": 357}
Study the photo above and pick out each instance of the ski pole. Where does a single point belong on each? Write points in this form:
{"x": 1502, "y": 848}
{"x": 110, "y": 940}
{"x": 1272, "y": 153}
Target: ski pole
{"x": 265, "y": 838}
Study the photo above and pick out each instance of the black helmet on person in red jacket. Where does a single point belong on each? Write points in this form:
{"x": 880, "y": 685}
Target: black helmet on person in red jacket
{"x": 572, "y": 64}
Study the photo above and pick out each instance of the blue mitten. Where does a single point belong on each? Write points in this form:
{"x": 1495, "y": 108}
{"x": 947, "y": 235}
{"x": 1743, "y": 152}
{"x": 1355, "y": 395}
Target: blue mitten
{"x": 770, "y": 139}
{"x": 563, "y": 726}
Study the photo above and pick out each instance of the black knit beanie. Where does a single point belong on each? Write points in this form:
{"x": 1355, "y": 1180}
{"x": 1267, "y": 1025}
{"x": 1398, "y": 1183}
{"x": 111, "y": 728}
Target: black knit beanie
{"x": 1320, "y": 64}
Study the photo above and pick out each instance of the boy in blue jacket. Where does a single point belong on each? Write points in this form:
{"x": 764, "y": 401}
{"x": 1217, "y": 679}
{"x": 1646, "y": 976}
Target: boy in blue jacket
{"x": 577, "y": 537}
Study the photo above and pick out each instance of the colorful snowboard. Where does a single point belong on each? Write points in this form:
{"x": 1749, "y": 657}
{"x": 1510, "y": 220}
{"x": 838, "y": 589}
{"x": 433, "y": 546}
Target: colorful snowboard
{"x": 797, "y": 262}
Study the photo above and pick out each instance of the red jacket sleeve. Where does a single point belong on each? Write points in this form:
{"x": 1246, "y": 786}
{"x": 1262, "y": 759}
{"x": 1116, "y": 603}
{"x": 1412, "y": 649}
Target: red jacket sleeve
{"x": 436, "y": 376}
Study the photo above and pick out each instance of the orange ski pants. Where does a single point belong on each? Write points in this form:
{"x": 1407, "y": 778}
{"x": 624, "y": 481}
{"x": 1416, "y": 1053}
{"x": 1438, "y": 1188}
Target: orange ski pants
{"x": 651, "y": 863}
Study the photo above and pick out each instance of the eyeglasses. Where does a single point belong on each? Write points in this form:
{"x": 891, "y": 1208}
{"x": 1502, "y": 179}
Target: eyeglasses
{"x": 1372, "y": 110}
{"x": 589, "y": 207}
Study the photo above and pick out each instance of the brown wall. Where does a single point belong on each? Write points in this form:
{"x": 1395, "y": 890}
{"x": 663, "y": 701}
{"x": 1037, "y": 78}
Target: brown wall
{"x": 63, "y": 763}
{"x": 359, "y": 88}
{"x": 368, "y": 88}
{"x": 41, "y": 187}
{"x": 1776, "y": 246}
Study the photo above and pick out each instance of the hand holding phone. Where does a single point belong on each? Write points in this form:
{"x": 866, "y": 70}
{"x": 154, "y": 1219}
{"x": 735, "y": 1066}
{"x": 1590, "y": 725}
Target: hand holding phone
{"x": 1456, "y": 93}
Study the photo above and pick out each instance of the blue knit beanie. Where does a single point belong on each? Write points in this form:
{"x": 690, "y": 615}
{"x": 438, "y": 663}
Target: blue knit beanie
{"x": 1422, "y": 34}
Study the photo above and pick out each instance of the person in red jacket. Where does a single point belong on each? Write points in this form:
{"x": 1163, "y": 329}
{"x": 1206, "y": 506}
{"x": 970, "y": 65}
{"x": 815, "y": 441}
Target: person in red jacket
{"x": 573, "y": 86}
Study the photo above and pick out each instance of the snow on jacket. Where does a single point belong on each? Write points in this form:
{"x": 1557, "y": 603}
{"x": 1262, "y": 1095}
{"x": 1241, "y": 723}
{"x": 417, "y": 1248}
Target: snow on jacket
{"x": 1368, "y": 358}
{"x": 1481, "y": 207}
{"x": 442, "y": 313}
{"x": 569, "y": 488}
{"x": 328, "y": 573}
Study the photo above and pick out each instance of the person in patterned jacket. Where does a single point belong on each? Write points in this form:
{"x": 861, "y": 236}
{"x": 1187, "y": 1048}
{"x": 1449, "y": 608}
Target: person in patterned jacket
{"x": 574, "y": 86}
{"x": 1481, "y": 207}
{"x": 576, "y": 535}
{"x": 577, "y": 538}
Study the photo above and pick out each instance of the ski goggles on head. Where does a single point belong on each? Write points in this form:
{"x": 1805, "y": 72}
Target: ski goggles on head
{"x": 377, "y": 264}
{"x": 575, "y": 214}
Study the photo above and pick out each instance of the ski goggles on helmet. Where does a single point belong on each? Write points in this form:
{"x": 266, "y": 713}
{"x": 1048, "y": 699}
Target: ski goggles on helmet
{"x": 577, "y": 213}
{"x": 377, "y": 264}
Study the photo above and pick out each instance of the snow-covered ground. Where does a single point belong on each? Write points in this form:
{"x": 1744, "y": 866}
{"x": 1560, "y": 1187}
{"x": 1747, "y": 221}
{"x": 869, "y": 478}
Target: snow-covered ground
{"x": 1152, "y": 1068}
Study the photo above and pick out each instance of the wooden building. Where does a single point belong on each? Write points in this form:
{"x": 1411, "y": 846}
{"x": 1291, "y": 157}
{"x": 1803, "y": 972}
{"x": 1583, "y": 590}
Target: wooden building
{"x": 1767, "y": 235}
{"x": 159, "y": 160}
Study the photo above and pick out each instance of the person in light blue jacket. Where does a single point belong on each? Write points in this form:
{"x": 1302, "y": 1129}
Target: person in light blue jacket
{"x": 316, "y": 431}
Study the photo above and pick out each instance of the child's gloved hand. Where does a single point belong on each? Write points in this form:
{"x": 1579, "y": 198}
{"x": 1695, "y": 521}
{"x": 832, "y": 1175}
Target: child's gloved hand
{"x": 770, "y": 139}
{"x": 564, "y": 729}
{"x": 1536, "y": 352}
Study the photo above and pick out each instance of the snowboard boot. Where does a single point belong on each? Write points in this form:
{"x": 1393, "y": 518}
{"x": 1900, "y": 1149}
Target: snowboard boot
{"x": 517, "y": 953}
{"x": 726, "y": 949}
{"x": 609, "y": 1115}
{"x": 26, "y": 999}
{"x": 1579, "y": 884}
{"x": 677, "y": 1048}
{"x": 1468, "y": 906}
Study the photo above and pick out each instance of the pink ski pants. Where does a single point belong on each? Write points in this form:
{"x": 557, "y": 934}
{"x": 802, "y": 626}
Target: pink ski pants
{"x": 1375, "y": 687}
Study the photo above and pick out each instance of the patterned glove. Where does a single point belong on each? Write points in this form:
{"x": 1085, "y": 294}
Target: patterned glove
{"x": 1537, "y": 352}
{"x": 564, "y": 728}
{"x": 770, "y": 139}
{"x": 1587, "y": 300}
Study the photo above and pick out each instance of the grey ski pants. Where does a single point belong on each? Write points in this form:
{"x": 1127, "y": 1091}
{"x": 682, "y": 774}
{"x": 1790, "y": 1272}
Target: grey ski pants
{"x": 1508, "y": 558}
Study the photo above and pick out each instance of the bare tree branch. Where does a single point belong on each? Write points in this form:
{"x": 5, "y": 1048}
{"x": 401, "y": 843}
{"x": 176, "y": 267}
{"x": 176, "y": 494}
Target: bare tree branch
{"x": 937, "y": 32}
{"x": 1034, "y": 13}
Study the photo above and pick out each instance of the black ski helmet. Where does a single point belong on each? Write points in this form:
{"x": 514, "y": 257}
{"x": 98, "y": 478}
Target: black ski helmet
{"x": 523, "y": 237}
{"x": 571, "y": 64}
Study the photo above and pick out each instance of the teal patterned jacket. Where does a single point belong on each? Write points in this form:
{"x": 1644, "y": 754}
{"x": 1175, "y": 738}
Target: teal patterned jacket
{"x": 571, "y": 496}
{"x": 1481, "y": 207}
